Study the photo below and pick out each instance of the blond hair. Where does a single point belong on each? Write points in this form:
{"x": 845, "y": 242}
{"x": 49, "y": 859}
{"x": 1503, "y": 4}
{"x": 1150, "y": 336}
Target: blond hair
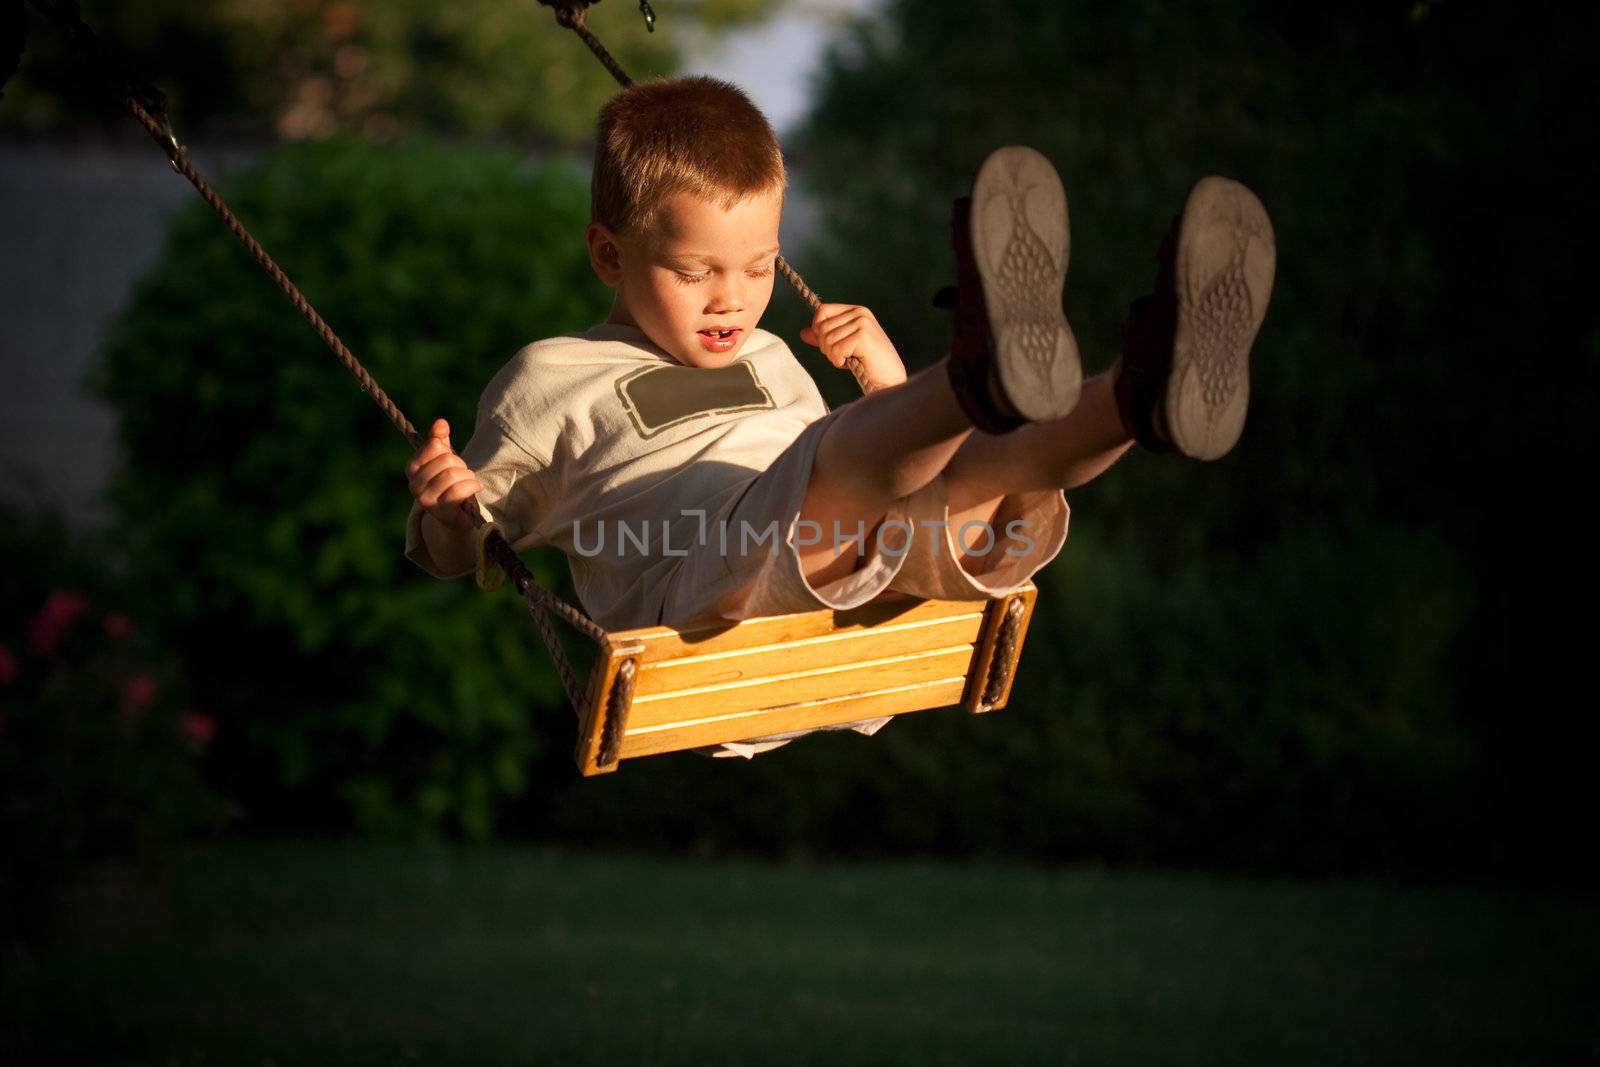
{"x": 691, "y": 135}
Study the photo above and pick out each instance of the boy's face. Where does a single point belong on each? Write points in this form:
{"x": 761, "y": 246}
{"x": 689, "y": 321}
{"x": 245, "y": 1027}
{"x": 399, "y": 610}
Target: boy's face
{"x": 698, "y": 281}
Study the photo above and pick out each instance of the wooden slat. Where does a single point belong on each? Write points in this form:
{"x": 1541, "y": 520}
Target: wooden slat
{"x": 666, "y": 642}
{"x": 811, "y": 653}
{"x": 806, "y": 715}
{"x": 776, "y": 690}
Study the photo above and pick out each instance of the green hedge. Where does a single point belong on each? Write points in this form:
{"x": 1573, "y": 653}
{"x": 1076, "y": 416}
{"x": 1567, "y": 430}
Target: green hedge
{"x": 262, "y": 494}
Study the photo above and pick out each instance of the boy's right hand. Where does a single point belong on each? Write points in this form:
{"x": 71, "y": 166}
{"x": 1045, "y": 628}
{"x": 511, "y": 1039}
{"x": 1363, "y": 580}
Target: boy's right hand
{"x": 441, "y": 480}
{"x": 846, "y": 332}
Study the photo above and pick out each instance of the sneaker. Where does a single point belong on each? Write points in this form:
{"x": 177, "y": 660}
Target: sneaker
{"x": 1184, "y": 383}
{"x": 1013, "y": 358}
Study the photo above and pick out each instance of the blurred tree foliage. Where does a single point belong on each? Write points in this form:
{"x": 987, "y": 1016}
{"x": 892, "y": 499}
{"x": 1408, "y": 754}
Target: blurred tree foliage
{"x": 1360, "y": 609}
{"x": 262, "y": 499}
{"x": 311, "y": 68}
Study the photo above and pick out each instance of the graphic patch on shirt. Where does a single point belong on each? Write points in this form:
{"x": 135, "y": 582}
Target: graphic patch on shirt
{"x": 658, "y": 398}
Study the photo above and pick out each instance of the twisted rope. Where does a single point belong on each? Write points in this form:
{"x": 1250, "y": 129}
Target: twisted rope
{"x": 180, "y": 163}
{"x": 792, "y": 276}
{"x": 617, "y": 705}
{"x": 572, "y": 15}
{"x": 1005, "y": 654}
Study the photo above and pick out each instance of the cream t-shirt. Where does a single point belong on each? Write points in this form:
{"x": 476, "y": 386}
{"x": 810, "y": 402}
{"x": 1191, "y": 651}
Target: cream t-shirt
{"x": 603, "y": 445}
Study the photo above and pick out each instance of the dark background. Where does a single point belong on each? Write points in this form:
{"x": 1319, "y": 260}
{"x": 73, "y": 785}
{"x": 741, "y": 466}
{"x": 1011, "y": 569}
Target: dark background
{"x": 1357, "y": 646}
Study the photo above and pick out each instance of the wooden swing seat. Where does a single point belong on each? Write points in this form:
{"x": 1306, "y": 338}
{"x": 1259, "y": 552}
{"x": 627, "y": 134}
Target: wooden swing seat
{"x": 664, "y": 689}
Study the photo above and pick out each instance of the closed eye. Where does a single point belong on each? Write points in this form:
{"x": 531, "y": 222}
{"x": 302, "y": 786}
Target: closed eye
{"x": 685, "y": 277}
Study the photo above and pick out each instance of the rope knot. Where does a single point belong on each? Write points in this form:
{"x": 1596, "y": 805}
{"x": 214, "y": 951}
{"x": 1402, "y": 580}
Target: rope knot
{"x": 571, "y": 14}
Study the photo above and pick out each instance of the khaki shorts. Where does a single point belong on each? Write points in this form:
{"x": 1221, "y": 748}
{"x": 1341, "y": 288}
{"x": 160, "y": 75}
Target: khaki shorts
{"x": 746, "y": 562}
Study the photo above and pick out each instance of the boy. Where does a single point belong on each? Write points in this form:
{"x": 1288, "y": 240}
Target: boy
{"x": 685, "y": 462}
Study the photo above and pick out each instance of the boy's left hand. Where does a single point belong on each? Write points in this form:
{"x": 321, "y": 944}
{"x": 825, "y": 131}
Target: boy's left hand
{"x": 843, "y": 331}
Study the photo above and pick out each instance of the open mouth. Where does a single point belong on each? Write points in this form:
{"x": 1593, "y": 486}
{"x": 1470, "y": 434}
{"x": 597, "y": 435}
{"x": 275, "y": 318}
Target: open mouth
{"x": 719, "y": 339}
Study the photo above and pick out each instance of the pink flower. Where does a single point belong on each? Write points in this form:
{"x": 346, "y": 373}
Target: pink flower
{"x": 116, "y": 625}
{"x": 64, "y": 605}
{"x": 197, "y": 726}
{"x": 137, "y": 692}
{"x": 9, "y": 671}
{"x": 47, "y": 629}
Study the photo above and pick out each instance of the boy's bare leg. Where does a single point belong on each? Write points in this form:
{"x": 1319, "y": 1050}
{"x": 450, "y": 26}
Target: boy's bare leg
{"x": 1061, "y": 454}
{"x": 884, "y": 446}
{"x": 891, "y": 443}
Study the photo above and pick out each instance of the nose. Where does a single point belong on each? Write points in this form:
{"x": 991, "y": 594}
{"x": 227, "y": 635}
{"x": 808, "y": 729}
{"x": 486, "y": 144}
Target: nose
{"x": 727, "y": 297}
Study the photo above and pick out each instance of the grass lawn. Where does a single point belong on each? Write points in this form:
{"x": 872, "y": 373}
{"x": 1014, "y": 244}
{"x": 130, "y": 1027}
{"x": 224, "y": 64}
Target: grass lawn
{"x": 355, "y": 954}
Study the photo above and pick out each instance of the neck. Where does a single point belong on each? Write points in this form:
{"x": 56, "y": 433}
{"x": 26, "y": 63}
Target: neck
{"x": 619, "y": 315}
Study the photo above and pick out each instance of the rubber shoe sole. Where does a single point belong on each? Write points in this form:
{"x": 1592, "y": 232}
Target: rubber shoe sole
{"x": 1226, "y": 260}
{"x": 1021, "y": 244}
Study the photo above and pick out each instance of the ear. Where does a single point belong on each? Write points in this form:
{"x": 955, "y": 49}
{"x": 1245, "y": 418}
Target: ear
{"x": 605, "y": 254}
